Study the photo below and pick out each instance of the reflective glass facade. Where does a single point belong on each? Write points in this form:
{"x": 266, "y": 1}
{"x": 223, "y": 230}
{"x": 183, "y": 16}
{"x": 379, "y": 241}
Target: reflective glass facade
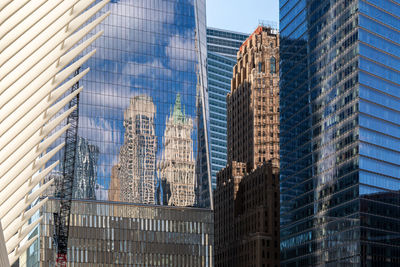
{"x": 222, "y": 46}
{"x": 143, "y": 111}
{"x": 340, "y": 113}
{"x": 115, "y": 234}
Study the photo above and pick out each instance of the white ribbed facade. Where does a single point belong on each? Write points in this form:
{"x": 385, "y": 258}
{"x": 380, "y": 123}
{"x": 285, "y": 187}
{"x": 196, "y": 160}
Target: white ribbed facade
{"x": 37, "y": 44}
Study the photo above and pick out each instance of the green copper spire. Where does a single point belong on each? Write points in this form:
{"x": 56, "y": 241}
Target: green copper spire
{"x": 178, "y": 115}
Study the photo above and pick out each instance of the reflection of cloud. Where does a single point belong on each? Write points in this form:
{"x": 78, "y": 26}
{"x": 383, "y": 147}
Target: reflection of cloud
{"x": 129, "y": 28}
{"x": 101, "y": 192}
{"x": 181, "y": 51}
{"x": 154, "y": 69}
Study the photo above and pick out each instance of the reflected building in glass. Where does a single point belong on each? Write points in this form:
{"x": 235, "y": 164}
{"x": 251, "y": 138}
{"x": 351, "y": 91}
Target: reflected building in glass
{"x": 177, "y": 167}
{"x": 85, "y": 169}
{"x": 137, "y": 157}
{"x": 222, "y": 47}
{"x": 339, "y": 147}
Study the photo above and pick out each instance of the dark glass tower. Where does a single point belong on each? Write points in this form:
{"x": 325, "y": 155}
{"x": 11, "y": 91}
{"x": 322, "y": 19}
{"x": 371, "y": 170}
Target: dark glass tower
{"x": 340, "y": 137}
{"x": 222, "y": 46}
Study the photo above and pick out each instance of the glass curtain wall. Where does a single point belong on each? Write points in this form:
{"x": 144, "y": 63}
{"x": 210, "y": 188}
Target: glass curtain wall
{"x": 222, "y": 46}
{"x": 144, "y": 104}
{"x": 340, "y": 132}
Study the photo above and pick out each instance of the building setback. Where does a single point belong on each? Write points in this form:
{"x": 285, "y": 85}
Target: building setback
{"x": 247, "y": 195}
{"x": 340, "y": 121}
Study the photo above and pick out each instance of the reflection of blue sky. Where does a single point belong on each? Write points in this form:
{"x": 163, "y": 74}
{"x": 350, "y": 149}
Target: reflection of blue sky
{"x": 137, "y": 55}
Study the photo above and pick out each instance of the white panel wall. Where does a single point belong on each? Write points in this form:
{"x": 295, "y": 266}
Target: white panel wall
{"x": 38, "y": 39}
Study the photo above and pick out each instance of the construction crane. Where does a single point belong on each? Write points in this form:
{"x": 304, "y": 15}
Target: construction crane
{"x": 65, "y": 186}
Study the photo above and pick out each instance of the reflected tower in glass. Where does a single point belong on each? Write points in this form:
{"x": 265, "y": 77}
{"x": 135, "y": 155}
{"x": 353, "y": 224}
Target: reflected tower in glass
{"x": 151, "y": 51}
{"x": 137, "y": 156}
{"x": 222, "y": 47}
{"x": 340, "y": 137}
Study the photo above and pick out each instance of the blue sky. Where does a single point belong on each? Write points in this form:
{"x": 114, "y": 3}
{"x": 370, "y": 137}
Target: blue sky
{"x": 241, "y": 15}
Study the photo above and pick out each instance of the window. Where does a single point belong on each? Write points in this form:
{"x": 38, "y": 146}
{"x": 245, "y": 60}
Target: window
{"x": 259, "y": 67}
{"x": 273, "y": 65}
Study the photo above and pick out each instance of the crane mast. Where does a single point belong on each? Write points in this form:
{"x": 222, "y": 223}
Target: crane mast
{"x": 65, "y": 187}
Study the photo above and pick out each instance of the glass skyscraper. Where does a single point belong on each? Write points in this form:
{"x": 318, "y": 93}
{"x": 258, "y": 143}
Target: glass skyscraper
{"x": 222, "y": 46}
{"x": 340, "y": 137}
{"x": 152, "y": 53}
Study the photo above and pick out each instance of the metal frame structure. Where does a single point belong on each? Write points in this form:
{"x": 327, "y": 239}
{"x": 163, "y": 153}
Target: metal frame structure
{"x": 65, "y": 188}
{"x": 37, "y": 45}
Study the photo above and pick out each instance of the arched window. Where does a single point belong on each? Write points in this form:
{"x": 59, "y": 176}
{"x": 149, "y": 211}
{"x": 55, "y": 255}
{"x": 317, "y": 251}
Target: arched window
{"x": 273, "y": 65}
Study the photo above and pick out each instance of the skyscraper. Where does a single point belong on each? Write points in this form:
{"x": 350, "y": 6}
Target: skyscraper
{"x": 176, "y": 168}
{"x": 247, "y": 194}
{"x": 138, "y": 153}
{"x": 253, "y": 112}
{"x": 222, "y": 47}
{"x": 340, "y": 133}
{"x": 153, "y": 49}
{"x": 150, "y": 50}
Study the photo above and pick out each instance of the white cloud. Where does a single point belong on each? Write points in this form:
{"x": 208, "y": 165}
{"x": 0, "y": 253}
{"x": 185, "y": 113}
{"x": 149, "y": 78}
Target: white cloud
{"x": 154, "y": 69}
{"x": 181, "y": 51}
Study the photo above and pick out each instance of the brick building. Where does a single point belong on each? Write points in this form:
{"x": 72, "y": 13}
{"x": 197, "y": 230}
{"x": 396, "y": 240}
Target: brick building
{"x": 247, "y": 195}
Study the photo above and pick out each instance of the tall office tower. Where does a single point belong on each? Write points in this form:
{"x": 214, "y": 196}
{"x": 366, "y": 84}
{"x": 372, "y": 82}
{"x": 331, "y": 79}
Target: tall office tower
{"x": 85, "y": 169}
{"x": 340, "y": 148}
{"x": 137, "y": 156}
{"x": 247, "y": 195}
{"x": 222, "y": 47}
{"x": 155, "y": 48}
{"x": 177, "y": 167}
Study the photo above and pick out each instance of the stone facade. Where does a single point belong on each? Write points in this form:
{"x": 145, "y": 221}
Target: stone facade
{"x": 247, "y": 195}
{"x": 253, "y": 103}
